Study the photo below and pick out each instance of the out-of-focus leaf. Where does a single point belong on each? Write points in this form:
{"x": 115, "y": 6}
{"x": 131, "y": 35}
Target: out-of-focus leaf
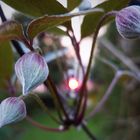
{"x": 56, "y": 31}
{"x": 37, "y": 8}
{"x": 46, "y": 22}
{"x": 89, "y": 24}
{"x": 71, "y": 4}
{"x": 11, "y": 30}
{"x": 6, "y": 63}
{"x": 90, "y": 21}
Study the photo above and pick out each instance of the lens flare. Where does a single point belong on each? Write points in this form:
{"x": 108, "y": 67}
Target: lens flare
{"x": 73, "y": 83}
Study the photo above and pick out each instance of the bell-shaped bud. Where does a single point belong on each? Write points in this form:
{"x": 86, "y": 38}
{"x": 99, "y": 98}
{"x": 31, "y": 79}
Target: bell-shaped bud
{"x": 128, "y": 22}
{"x": 31, "y": 70}
{"x": 12, "y": 109}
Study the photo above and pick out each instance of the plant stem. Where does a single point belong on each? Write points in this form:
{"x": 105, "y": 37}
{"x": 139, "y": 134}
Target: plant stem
{"x": 43, "y": 106}
{"x": 113, "y": 83}
{"x": 122, "y": 57}
{"x": 45, "y": 128}
{"x": 101, "y": 22}
{"x": 82, "y": 90}
{"x": 14, "y": 43}
{"x": 59, "y": 105}
{"x": 87, "y": 131}
{"x": 76, "y": 49}
{"x": 3, "y": 18}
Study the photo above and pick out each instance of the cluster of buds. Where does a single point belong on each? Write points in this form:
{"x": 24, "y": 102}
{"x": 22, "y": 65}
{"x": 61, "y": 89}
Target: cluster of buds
{"x": 128, "y": 22}
{"x": 31, "y": 70}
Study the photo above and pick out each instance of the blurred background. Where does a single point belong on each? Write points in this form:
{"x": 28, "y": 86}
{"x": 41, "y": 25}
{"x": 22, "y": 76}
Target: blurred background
{"x": 119, "y": 118}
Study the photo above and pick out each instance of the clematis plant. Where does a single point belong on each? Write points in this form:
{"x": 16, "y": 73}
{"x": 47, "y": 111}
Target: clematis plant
{"x": 32, "y": 70}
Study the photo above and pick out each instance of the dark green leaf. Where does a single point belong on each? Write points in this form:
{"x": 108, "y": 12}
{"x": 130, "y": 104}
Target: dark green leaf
{"x": 37, "y": 8}
{"x": 11, "y": 30}
{"x": 71, "y": 4}
{"x": 6, "y": 63}
{"x": 90, "y": 21}
{"x": 44, "y": 23}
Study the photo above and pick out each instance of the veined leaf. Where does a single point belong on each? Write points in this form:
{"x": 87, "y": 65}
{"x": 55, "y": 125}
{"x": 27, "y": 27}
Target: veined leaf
{"x": 37, "y": 8}
{"x": 46, "y": 22}
{"x": 90, "y": 21}
{"x": 11, "y": 30}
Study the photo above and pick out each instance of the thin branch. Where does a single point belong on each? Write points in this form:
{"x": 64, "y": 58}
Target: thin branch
{"x": 76, "y": 49}
{"x": 108, "y": 92}
{"x": 124, "y": 59}
{"x": 82, "y": 90}
{"x": 45, "y": 128}
{"x": 107, "y": 62}
{"x": 58, "y": 102}
{"x": 87, "y": 131}
{"x": 43, "y": 106}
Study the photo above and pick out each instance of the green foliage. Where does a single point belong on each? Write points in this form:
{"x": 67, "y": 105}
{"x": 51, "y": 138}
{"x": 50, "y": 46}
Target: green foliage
{"x": 72, "y": 4}
{"x": 11, "y": 30}
{"x": 46, "y": 22}
{"x": 37, "y": 8}
{"x": 43, "y": 24}
{"x": 90, "y": 21}
{"x": 6, "y": 63}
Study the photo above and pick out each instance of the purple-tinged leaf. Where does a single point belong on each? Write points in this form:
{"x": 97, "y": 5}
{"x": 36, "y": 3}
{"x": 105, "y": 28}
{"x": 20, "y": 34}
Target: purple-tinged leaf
{"x": 11, "y": 30}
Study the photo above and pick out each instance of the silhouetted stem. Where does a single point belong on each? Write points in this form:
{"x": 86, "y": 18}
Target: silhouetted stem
{"x": 87, "y": 131}
{"x": 76, "y": 49}
{"x": 58, "y": 102}
{"x": 82, "y": 90}
{"x": 14, "y": 43}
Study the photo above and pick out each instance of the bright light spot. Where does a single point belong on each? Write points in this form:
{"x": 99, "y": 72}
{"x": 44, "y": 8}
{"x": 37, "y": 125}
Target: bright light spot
{"x": 73, "y": 83}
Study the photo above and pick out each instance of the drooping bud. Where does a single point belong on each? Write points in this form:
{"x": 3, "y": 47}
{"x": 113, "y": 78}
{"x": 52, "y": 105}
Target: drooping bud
{"x": 31, "y": 70}
{"x": 12, "y": 109}
{"x": 128, "y": 22}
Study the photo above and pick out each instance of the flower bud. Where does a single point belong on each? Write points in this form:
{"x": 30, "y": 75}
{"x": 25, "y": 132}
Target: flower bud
{"x": 128, "y": 22}
{"x": 12, "y": 109}
{"x": 31, "y": 70}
